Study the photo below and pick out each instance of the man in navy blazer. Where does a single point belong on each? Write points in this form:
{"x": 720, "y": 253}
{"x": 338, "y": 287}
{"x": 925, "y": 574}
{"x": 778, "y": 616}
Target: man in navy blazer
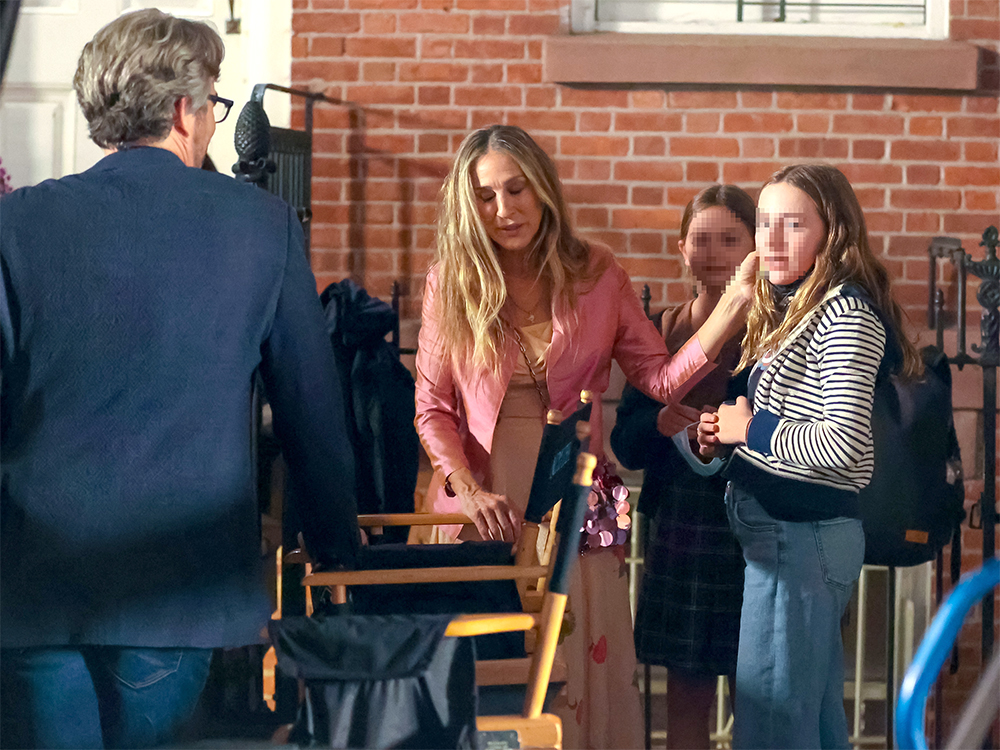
{"x": 139, "y": 300}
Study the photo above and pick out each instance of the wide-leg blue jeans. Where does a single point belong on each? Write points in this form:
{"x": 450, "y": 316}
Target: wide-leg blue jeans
{"x": 790, "y": 667}
{"x": 98, "y": 696}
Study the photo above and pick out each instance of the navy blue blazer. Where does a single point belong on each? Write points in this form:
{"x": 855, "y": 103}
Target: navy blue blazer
{"x": 139, "y": 298}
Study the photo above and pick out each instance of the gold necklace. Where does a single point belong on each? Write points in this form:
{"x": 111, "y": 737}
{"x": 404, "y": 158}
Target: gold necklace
{"x": 530, "y": 311}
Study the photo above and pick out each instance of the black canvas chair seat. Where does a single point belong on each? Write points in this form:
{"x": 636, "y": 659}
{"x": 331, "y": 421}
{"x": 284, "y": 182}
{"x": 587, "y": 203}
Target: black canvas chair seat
{"x": 379, "y": 681}
{"x": 459, "y": 597}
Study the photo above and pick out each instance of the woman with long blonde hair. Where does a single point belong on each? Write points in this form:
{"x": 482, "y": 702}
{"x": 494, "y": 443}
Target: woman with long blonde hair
{"x": 519, "y": 316}
{"x": 822, "y": 329}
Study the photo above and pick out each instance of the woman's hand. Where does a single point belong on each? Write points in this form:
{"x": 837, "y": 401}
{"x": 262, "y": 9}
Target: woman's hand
{"x": 674, "y": 418}
{"x": 493, "y": 514}
{"x": 730, "y": 314}
{"x": 746, "y": 277}
{"x": 728, "y": 426}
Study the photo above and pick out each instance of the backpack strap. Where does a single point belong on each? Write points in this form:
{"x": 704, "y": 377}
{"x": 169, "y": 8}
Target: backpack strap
{"x": 892, "y": 357}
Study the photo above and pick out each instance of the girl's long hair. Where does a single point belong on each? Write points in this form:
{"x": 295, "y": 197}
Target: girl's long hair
{"x": 471, "y": 287}
{"x": 846, "y": 257}
{"x": 730, "y": 197}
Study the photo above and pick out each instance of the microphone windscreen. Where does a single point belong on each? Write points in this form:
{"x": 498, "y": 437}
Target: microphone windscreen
{"x": 253, "y": 133}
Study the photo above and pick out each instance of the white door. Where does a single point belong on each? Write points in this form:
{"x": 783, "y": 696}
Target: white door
{"x": 43, "y": 133}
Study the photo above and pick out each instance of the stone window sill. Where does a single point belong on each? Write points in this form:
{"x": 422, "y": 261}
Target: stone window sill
{"x": 665, "y": 59}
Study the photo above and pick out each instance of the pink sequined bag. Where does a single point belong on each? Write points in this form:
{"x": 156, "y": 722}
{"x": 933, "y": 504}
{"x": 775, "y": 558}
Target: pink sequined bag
{"x": 606, "y": 521}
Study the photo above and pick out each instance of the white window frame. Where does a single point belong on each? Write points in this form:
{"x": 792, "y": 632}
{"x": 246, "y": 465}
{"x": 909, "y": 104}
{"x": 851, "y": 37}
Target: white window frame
{"x": 584, "y": 15}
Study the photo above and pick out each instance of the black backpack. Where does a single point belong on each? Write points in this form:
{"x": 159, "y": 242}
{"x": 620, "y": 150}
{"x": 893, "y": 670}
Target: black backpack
{"x": 914, "y": 504}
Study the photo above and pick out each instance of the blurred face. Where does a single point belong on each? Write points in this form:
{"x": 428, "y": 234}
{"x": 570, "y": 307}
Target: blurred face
{"x": 508, "y": 205}
{"x": 790, "y": 233}
{"x": 716, "y": 243}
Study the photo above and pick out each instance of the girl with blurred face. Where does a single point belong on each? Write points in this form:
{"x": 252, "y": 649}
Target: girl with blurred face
{"x": 688, "y": 613}
{"x": 823, "y": 326}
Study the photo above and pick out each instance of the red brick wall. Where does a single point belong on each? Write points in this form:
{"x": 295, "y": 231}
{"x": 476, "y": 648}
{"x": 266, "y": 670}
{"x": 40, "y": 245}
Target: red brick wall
{"x": 420, "y": 74}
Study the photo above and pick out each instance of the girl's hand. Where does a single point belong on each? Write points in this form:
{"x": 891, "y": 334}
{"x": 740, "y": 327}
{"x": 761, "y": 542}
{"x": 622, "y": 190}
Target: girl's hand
{"x": 733, "y": 421}
{"x": 674, "y": 418}
{"x": 726, "y": 427}
{"x": 708, "y": 443}
{"x": 493, "y": 514}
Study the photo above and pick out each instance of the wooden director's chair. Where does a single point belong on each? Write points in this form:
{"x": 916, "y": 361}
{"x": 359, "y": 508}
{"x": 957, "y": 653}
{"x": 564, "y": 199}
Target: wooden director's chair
{"x": 541, "y": 578}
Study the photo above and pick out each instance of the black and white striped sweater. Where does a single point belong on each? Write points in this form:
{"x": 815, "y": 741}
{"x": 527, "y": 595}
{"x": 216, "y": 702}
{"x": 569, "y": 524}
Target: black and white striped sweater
{"x": 809, "y": 447}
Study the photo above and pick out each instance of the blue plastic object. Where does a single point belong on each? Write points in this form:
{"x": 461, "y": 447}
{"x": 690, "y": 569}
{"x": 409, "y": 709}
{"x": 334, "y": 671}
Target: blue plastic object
{"x": 933, "y": 651}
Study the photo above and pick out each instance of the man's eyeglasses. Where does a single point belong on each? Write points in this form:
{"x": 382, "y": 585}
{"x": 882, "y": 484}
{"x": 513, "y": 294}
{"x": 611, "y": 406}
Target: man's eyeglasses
{"x": 220, "y": 107}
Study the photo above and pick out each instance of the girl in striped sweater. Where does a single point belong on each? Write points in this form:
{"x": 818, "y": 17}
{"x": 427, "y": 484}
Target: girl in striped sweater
{"x": 821, "y": 326}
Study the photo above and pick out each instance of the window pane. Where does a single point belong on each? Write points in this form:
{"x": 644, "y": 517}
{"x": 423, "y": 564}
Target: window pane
{"x": 706, "y": 12}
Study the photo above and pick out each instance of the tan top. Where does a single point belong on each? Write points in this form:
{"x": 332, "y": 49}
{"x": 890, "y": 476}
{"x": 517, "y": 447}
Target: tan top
{"x": 536, "y": 339}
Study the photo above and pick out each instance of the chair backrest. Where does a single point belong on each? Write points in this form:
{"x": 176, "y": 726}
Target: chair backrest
{"x": 562, "y": 440}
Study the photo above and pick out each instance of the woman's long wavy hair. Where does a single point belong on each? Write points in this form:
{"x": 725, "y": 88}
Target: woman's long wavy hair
{"x": 846, "y": 257}
{"x": 471, "y": 286}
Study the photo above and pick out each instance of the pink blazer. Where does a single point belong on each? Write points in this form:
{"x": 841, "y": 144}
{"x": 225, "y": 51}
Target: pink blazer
{"x": 457, "y": 405}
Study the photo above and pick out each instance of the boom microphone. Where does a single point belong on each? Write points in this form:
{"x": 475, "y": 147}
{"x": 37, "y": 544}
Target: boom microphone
{"x": 253, "y": 143}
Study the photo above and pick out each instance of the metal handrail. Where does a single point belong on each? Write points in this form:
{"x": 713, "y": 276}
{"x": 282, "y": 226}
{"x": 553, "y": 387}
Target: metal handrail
{"x": 933, "y": 651}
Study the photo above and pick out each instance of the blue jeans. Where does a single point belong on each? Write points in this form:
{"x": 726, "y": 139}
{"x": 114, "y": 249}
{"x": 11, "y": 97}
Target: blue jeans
{"x": 790, "y": 666}
{"x": 98, "y": 696}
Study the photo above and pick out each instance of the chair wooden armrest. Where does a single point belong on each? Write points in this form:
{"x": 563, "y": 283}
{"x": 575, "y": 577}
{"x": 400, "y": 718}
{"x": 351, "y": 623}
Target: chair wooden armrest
{"x": 462, "y": 626}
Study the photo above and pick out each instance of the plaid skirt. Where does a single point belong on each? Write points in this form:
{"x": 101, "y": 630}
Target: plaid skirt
{"x": 688, "y": 614}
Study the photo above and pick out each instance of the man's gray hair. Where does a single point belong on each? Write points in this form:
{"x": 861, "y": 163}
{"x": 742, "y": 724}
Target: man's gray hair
{"x": 134, "y": 70}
